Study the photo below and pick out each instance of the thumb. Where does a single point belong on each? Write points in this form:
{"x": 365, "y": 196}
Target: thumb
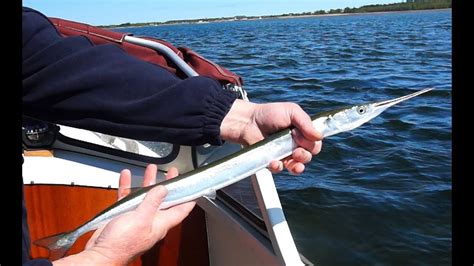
{"x": 301, "y": 120}
{"x": 152, "y": 200}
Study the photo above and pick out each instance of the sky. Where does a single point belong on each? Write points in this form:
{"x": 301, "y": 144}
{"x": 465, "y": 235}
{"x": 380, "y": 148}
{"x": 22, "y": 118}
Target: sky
{"x": 106, "y": 12}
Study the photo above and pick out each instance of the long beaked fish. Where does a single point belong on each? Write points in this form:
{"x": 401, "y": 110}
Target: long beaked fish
{"x": 204, "y": 181}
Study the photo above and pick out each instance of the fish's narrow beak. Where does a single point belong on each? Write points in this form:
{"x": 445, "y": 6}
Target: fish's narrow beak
{"x": 388, "y": 103}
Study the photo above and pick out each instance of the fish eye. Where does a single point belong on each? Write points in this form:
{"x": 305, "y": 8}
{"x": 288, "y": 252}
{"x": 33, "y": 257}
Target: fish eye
{"x": 361, "y": 109}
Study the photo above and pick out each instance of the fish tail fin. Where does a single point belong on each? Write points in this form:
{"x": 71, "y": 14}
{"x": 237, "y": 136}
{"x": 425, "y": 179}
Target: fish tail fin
{"x": 57, "y": 245}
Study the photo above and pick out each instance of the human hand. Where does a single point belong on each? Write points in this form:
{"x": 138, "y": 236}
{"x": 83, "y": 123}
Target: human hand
{"x": 247, "y": 123}
{"x": 134, "y": 232}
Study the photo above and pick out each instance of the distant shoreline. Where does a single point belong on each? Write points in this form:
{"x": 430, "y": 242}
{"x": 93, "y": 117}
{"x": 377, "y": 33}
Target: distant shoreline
{"x": 202, "y": 21}
{"x": 359, "y": 13}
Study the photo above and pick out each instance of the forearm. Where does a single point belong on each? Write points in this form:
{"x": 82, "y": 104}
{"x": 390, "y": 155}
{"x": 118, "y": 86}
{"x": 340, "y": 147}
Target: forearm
{"x": 189, "y": 112}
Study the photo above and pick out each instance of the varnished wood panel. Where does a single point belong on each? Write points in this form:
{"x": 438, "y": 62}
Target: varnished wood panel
{"x": 55, "y": 208}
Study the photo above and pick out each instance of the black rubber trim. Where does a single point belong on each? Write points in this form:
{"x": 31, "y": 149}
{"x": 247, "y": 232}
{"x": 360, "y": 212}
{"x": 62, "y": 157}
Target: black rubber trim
{"x": 194, "y": 156}
{"x": 239, "y": 208}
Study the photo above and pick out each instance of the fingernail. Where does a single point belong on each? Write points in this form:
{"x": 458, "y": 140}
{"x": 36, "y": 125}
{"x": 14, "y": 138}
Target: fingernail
{"x": 280, "y": 166}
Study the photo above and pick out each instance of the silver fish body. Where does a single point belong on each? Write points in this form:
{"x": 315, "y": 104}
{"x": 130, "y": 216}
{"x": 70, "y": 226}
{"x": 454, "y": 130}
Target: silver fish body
{"x": 205, "y": 180}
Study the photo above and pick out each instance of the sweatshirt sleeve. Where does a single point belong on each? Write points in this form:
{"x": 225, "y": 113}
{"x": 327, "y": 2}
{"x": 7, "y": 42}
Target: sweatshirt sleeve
{"x": 70, "y": 81}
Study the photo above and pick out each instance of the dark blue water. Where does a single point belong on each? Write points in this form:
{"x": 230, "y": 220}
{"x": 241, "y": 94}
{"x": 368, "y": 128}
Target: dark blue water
{"x": 380, "y": 194}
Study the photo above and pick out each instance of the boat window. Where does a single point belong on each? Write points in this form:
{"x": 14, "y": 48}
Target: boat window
{"x": 243, "y": 193}
{"x": 145, "y": 148}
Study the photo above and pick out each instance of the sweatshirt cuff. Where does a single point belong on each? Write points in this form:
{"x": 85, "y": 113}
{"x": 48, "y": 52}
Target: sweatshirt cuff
{"x": 218, "y": 107}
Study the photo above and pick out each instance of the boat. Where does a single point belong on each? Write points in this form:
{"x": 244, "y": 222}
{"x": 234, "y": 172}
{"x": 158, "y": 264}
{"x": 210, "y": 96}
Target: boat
{"x": 71, "y": 174}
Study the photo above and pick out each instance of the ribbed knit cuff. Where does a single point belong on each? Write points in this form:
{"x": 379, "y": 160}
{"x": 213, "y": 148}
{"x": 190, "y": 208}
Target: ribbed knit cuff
{"x": 218, "y": 107}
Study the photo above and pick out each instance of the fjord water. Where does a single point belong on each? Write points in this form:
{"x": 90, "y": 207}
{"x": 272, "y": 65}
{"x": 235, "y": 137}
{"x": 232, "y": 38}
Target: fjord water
{"x": 380, "y": 194}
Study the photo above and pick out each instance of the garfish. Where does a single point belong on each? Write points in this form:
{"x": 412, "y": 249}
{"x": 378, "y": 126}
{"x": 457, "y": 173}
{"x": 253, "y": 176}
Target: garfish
{"x": 204, "y": 181}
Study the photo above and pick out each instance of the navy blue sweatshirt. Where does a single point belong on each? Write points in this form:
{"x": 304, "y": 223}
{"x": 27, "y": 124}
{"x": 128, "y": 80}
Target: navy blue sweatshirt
{"x": 72, "y": 82}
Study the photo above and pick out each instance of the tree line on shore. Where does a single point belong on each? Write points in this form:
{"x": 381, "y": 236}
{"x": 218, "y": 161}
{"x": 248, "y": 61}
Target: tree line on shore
{"x": 403, "y": 6}
{"x": 408, "y": 5}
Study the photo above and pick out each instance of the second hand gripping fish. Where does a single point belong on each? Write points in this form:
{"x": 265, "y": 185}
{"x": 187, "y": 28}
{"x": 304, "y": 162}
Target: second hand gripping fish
{"x": 205, "y": 180}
